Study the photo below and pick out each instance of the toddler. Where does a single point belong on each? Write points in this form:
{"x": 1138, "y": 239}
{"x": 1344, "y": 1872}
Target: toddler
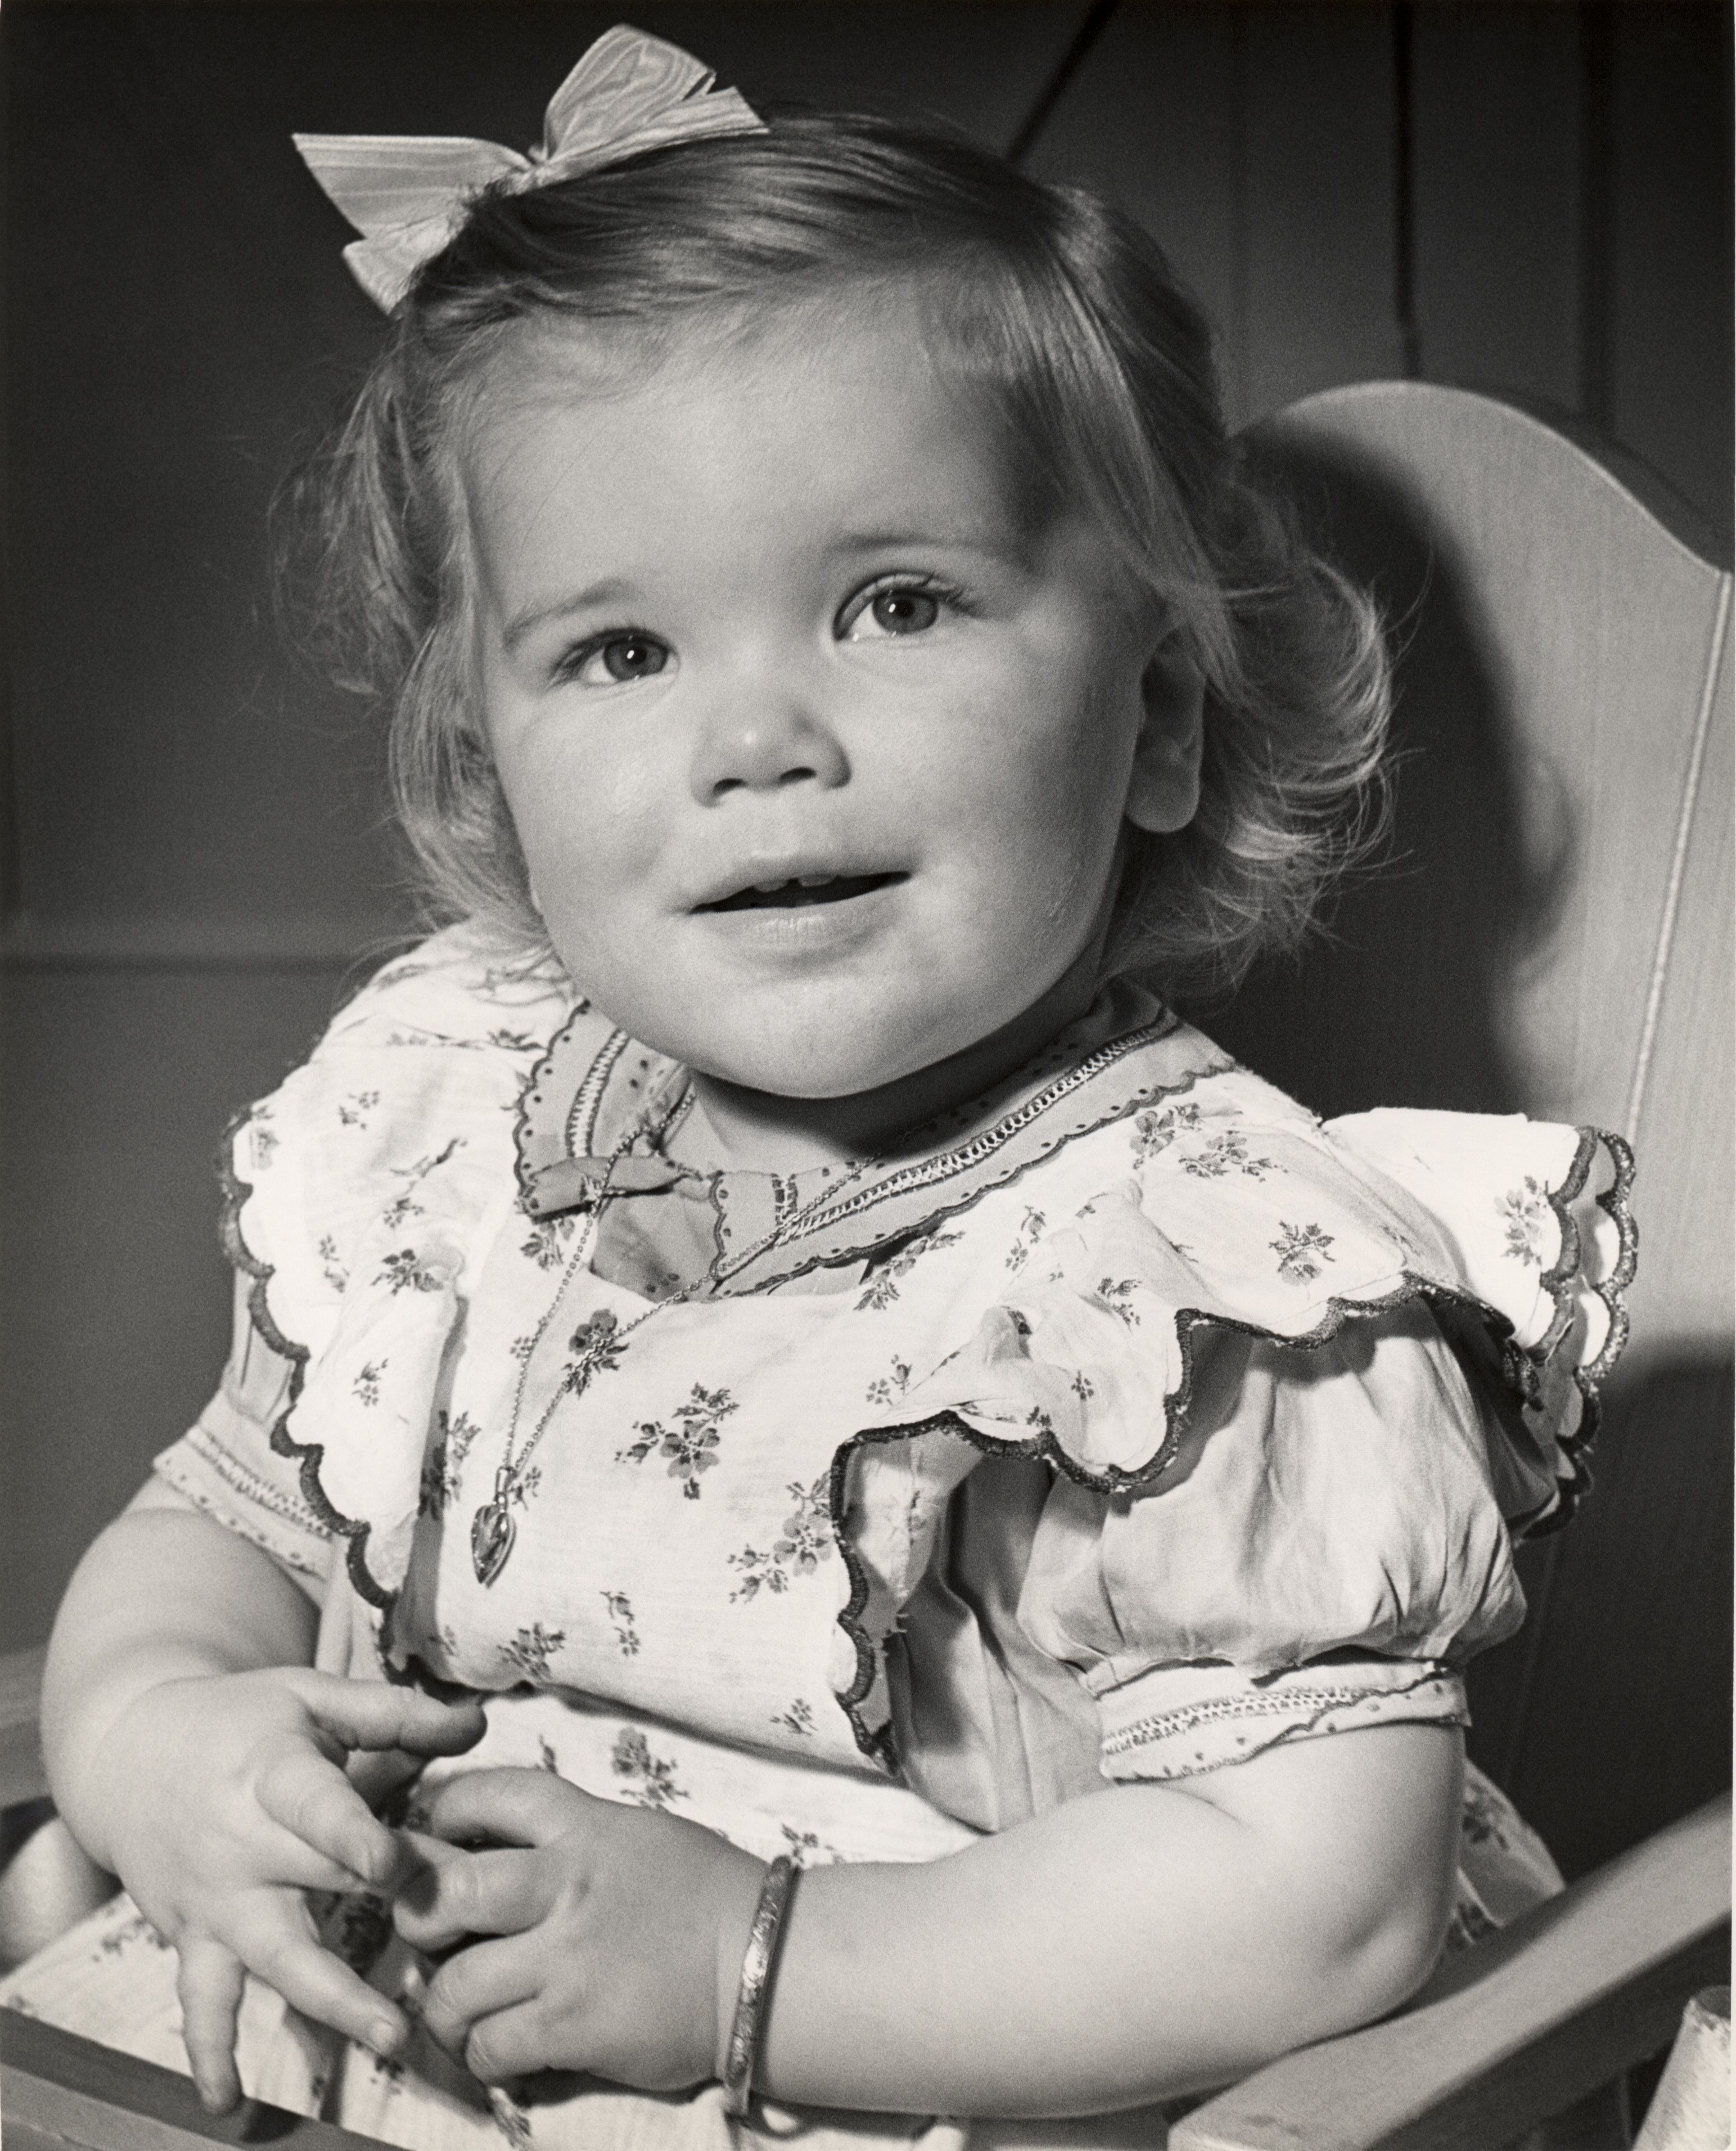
{"x": 823, "y": 1520}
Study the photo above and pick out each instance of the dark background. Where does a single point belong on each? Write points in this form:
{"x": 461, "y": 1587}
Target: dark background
{"x": 1532, "y": 198}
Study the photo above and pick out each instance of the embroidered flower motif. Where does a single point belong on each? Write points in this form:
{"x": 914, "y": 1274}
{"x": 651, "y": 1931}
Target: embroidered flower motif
{"x": 353, "y": 1111}
{"x": 1525, "y": 1210}
{"x": 404, "y": 1207}
{"x": 1469, "y": 1924}
{"x": 808, "y": 1851}
{"x": 547, "y": 1759}
{"x": 264, "y": 1137}
{"x": 885, "y": 1392}
{"x": 515, "y": 982}
{"x": 524, "y": 1483}
{"x": 515, "y": 1041}
{"x": 596, "y": 1347}
{"x": 532, "y": 1648}
{"x": 807, "y": 1540}
{"x": 799, "y": 1719}
{"x": 883, "y": 1283}
{"x": 442, "y": 1466}
{"x": 548, "y": 1238}
{"x": 1296, "y": 1247}
{"x": 632, "y": 1758}
{"x": 1483, "y": 1817}
{"x": 1031, "y": 1231}
{"x": 620, "y": 1614}
{"x": 406, "y": 1272}
{"x": 1082, "y": 1385}
{"x": 420, "y": 1033}
{"x": 134, "y": 1932}
{"x": 333, "y": 1271}
{"x": 1226, "y": 1153}
{"x": 1118, "y": 1294}
{"x": 690, "y": 1444}
{"x": 1154, "y": 1132}
{"x": 365, "y": 1387}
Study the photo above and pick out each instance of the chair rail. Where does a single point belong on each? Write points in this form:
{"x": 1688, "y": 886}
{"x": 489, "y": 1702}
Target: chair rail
{"x": 59, "y": 2091}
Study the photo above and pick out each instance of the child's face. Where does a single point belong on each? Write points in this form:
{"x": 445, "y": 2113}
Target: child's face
{"x": 819, "y": 742}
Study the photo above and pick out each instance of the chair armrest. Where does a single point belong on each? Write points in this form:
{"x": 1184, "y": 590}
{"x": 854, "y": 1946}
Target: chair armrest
{"x": 58, "y": 2090}
{"x": 21, "y": 1775}
{"x": 1516, "y": 2027}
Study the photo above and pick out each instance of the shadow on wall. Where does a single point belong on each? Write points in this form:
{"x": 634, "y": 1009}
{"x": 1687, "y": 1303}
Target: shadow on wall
{"x": 1610, "y": 1714}
{"x": 1403, "y": 999}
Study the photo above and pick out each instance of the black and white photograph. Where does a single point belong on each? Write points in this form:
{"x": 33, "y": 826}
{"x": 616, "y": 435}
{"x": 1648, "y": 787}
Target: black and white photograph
{"x": 867, "y": 1075}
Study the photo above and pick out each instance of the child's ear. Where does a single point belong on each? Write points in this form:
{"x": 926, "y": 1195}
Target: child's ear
{"x": 1163, "y": 789}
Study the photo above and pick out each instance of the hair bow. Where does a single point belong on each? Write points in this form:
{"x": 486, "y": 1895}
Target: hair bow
{"x": 407, "y": 194}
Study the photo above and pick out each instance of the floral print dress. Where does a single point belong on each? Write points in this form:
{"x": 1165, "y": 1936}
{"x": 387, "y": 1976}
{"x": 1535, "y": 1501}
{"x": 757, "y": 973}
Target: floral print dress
{"x": 1129, "y": 1422}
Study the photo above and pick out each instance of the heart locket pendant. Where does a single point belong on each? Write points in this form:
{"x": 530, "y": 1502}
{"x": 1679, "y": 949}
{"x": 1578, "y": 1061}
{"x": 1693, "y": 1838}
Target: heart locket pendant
{"x": 491, "y": 1533}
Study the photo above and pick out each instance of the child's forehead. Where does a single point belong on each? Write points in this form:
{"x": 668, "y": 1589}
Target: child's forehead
{"x": 822, "y": 379}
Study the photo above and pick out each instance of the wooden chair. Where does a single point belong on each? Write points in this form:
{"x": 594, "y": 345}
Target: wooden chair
{"x": 1554, "y": 935}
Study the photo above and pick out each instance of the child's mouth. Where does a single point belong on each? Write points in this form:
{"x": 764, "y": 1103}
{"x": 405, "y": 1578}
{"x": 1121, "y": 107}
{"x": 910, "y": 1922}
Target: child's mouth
{"x": 802, "y": 889}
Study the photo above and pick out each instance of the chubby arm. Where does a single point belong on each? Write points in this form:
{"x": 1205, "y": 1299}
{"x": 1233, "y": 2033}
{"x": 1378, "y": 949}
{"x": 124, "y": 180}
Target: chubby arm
{"x": 1141, "y": 1941}
{"x": 164, "y": 1594}
{"x": 1146, "y": 1940}
{"x": 194, "y": 1753}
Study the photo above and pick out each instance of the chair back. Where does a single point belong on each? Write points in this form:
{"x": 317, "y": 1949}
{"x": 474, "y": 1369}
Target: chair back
{"x": 1551, "y": 933}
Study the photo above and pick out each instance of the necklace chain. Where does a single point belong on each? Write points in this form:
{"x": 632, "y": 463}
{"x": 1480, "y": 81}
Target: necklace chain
{"x": 492, "y": 1531}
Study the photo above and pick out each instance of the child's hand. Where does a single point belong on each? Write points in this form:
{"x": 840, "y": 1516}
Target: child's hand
{"x": 228, "y": 1800}
{"x": 618, "y": 1926}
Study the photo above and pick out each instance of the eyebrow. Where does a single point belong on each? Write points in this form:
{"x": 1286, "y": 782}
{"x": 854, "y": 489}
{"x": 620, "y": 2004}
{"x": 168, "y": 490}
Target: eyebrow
{"x": 968, "y": 540}
{"x": 611, "y": 590}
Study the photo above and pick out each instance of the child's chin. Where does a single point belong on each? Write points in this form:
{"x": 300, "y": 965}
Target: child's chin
{"x": 842, "y": 1058}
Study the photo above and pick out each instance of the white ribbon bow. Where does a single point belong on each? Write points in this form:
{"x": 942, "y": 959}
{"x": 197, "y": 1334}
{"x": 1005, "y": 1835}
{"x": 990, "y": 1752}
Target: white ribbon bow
{"x": 408, "y": 194}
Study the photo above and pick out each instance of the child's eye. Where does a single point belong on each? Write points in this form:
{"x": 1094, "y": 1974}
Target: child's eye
{"x": 624, "y": 655}
{"x": 896, "y": 608}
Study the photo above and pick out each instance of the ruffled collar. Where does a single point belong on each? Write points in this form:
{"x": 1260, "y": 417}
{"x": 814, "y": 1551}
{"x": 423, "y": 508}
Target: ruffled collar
{"x": 594, "y": 1125}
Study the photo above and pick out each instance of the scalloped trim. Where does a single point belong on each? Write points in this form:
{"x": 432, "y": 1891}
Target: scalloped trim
{"x": 307, "y": 1456}
{"x": 1576, "y": 1447}
{"x": 978, "y": 1162}
{"x": 1522, "y": 1364}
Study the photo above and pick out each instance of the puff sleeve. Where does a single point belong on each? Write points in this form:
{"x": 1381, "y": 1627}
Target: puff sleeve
{"x": 1326, "y": 1551}
{"x": 1299, "y": 1388}
{"x": 225, "y": 1465}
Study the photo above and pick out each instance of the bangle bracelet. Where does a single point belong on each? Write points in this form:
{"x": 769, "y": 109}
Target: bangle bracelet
{"x": 757, "y": 1963}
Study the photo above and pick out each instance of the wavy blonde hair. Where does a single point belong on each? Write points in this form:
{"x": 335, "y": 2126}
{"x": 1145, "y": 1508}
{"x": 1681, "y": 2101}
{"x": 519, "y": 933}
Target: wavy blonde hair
{"x": 1043, "y": 297}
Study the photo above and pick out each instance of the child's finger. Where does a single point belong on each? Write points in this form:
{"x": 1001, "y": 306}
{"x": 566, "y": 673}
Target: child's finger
{"x": 210, "y": 1984}
{"x": 478, "y": 1982}
{"x": 272, "y": 1933}
{"x": 371, "y": 1714}
{"x": 514, "y": 1807}
{"x": 457, "y": 1894}
{"x": 316, "y": 1803}
{"x": 515, "y": 2043}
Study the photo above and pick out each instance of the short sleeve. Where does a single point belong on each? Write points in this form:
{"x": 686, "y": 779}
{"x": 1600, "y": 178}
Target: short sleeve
{"x": 225, "y": 1464}
{"x": 1326, "y": 1551}
{"x": 359, "y": 1197}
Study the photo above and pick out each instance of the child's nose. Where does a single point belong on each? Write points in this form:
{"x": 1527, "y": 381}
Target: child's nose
{"x": 760, "y": 740}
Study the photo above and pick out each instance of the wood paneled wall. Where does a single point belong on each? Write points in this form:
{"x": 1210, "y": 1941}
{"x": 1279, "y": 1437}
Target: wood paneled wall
{"x": 1528, "y": 198}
